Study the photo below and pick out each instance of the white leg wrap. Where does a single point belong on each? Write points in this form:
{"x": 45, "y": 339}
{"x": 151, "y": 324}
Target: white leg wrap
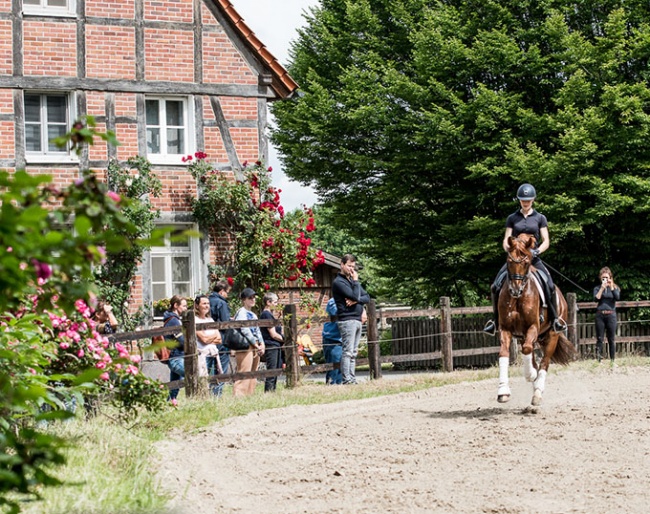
{"x": 540, "y": 383}
{"x": 504, "y": 364}
{"x": 530, "y": 373}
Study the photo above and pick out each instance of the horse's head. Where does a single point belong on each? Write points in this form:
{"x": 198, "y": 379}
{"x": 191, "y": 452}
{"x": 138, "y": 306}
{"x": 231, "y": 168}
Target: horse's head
{"x": 518, "y": 264}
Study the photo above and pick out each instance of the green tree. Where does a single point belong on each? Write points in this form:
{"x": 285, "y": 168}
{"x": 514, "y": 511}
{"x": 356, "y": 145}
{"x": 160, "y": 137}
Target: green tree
{"x": 419, "y": 119}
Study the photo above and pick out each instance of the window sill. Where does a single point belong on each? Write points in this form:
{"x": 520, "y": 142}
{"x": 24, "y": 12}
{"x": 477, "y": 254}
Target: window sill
{"x": 51, "y": 159}
{"x": 54, "y": 13}
{"x": 168, "y": 160}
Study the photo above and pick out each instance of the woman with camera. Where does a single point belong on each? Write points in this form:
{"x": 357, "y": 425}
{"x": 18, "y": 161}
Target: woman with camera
{"x": 606, "y": 294}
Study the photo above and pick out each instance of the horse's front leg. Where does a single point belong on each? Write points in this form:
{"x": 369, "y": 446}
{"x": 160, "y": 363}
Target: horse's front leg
{"x": 530, "y": 373}
{"x": 540, "y": 382}
{"x": 503, "y": 394}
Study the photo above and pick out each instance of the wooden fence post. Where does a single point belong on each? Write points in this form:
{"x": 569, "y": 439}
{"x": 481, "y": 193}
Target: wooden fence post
{"x": 290, "y": 333}
{"x": 192, "y": 383}
{"x": 447, "y": 338}
{"x": 572, "y": 318}
{"x": 374, "y": 351}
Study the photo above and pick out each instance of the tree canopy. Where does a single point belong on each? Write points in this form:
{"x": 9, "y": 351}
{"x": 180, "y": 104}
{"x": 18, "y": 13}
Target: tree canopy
{"x": 417, "y": 120}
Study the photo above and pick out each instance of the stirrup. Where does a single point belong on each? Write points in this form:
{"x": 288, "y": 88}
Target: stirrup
{"x": 559, "y": 325}
{"x": 490, "y": 328}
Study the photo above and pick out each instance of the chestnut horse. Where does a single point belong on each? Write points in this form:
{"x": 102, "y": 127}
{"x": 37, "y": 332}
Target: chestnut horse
{"x": 520, "y": 310}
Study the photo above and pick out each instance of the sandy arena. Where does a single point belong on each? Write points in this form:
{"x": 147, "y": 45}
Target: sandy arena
{"x": 447, "y": 449}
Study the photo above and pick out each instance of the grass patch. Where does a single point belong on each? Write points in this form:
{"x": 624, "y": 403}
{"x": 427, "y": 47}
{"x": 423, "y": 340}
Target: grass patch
{"x": 110, "y": 465}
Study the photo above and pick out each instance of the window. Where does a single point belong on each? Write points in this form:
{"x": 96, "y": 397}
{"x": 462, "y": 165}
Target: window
{"x": 47, "y": 116}
{"x": 174, "y": 268}
{"x": 50, "y": 7}
{"x": 168, "y": 133}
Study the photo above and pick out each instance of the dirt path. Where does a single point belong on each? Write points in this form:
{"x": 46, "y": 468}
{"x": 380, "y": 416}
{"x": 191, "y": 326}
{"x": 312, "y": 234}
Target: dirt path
{"x": 449, "y": 449}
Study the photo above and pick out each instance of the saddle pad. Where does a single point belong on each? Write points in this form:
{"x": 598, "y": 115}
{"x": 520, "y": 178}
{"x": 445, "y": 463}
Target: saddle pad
{"x": 540, "y": 288}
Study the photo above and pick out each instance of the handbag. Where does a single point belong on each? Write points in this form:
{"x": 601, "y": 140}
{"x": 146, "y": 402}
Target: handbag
{"x": 162, "y": 352}
{"x": 235, "y": 340}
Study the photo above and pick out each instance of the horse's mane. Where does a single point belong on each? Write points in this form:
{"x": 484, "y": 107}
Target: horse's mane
{"x": 520, "y": 245}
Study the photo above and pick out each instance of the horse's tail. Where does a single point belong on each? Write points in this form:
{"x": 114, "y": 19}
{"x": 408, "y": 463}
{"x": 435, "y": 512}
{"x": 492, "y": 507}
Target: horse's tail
{"x": 564, "y": 351}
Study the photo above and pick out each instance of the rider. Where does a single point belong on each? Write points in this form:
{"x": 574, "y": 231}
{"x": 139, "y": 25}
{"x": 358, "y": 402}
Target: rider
{"x": 526, "y": 220}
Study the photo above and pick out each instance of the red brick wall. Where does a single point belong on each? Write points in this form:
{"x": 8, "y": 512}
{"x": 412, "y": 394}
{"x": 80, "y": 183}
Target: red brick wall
{"x": 6, "y": 127}
{"x": 96, "y": 105}
{"x": 6, "y": 54}
{"x": 222, "y": 63}
{"x": 168, "y": 10}
{"x": 169, "y": 55}
{"x": 105, "y": 9}
{"x": 127, "y": 133}
{"x": 110, "y": 52}
{"x": 50, "y": 48}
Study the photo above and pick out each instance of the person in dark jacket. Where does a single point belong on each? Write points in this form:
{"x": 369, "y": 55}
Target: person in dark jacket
{"x": 176, "y": 362}
{"x": 272, "y": 341}
{"x": 606, "y": 294}
{"x": 220, "y": 311}
{"x": 350, "y": 298}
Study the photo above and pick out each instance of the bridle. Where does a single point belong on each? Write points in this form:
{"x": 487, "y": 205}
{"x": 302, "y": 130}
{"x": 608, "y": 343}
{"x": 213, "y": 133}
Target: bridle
{"x": 512, "y": 277}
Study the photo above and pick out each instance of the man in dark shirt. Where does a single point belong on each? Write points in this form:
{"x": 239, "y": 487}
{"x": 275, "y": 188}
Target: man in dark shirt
{"x": 350, "y": 298}
{"x": 220, "y": 311}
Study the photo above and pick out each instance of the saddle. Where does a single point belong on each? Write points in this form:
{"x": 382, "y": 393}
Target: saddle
{"x": 541, "y": 280}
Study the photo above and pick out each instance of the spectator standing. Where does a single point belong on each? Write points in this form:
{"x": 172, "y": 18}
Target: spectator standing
{"x": 220, "y": 311}
{"x": 248, "y": 360}
{"x": 273, "y": 340}
{"x": 176, "y": 362}
{"x": 206, "y": 340}
{"x": 606, "y": 294}
{"x": 350, "y": 298}
{"x": 332, "y": 349}
{"x": 106, "y": 321}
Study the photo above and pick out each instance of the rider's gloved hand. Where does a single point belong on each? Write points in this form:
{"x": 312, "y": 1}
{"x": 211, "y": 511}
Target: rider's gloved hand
{"x": 535, "y": 252}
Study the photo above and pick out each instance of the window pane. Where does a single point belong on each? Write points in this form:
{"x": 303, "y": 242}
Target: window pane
{"x": 181, "y": 289}
{"x": 153, "y": 140}
{"x": 33, "y": 138}
{"x": 180, "y": 269}
{"x": 32, "y": 2}
{"x": 158, "y": 291}
{"x": 54, "y": 131}
{"x": 174, "y": 113}
{"x": 56, "y": 107}
{"x": 32, "y": 108}
{"x": 175, "y": 142}
{"x": 158, "y": 269}
{"x": 56, "y": 3}
{"x": 153, "y": 116}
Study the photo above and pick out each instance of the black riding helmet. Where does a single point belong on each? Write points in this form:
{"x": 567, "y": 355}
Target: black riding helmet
{"x": 526, "y": 192}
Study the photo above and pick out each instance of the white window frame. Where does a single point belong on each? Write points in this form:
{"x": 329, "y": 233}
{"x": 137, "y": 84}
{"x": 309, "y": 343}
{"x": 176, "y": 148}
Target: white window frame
{"x": 43, "y": 9}
{"x": 192, "y": 250}
{"x": 46, "y": 155}
{"x": 188, "y": 125}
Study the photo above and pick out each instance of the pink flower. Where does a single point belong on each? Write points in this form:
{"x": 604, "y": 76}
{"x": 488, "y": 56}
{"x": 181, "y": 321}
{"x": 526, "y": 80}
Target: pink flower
{"x": 64, "y": 346}
{"x": 174, "y": 402}
{"x": 132, "y": 370}
{"x": 9, "y": 249}
{"x": 43, "y": 270}
{"x": 80, "y": 353}
{"x": 135, "y": 359}
{"x": 100, "y": 365}
{"x": 104, "y": 376}
{"x": 114, "y": 196}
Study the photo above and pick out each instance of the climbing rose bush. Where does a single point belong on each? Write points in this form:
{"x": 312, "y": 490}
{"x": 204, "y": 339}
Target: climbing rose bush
{"x": 265, "y": 245}
{"x": 78, "y": 346}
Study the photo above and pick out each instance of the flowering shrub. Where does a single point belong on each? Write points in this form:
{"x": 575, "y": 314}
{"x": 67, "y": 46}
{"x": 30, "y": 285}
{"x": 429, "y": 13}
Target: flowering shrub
{"x": 78, "y": 346}
{"x": 265, "y": 246}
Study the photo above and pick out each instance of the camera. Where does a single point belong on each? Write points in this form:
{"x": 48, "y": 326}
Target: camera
{"x": 604, "y": 281}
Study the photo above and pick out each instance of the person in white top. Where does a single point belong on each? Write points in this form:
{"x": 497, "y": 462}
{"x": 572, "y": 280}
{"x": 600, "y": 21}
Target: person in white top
{"x": 206, "y": 340}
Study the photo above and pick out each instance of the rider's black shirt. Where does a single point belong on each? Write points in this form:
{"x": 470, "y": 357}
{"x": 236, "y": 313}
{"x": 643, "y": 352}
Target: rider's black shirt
{"x": 527, "y": 225}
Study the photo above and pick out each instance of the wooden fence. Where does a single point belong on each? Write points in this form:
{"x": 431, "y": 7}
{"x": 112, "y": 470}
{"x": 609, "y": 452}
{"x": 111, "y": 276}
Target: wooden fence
{"x": 418, "y": 335}
{"x": 435, "y": 338}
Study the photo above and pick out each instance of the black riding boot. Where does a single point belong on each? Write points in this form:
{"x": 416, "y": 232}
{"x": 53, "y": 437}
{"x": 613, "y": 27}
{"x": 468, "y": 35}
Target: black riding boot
{"x": 558, "y": 324}
{"x": 492, "y": 325}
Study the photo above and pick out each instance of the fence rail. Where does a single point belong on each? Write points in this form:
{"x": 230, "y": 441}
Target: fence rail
{"x": 444, "y": 338}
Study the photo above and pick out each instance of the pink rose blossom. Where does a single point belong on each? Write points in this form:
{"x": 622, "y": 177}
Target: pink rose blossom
{"x": 135, "y": 359}
{"x": 114, "y": 196}
{"x": 132, "y": 370}
{"x": 104, "y": 376}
